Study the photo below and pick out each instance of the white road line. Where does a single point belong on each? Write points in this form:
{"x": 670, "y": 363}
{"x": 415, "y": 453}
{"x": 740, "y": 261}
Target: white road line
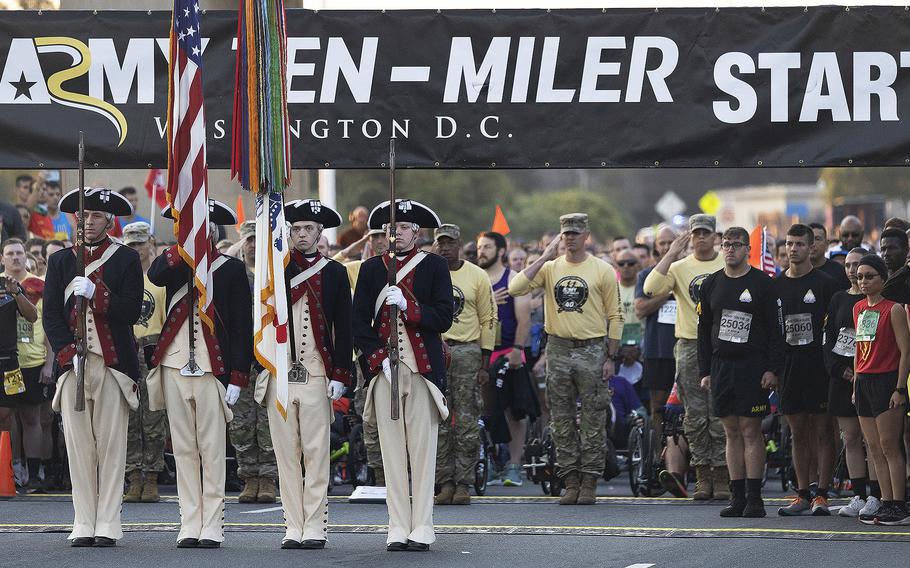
{"x": 402, "y": 74}
{"x": 267, "y": 510}
{"x": 639, "y": 565}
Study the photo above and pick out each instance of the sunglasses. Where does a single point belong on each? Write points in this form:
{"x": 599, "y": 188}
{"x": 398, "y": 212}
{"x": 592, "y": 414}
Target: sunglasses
{"x": 732, "y": 246}
{"x": 860, "y": 277}
{"x": 627, "y": 262}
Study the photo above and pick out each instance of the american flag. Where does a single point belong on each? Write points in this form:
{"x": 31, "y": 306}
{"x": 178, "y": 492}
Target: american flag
{"x": 270, "y": 307}
{"x": 187, "y": 171}
{"x": 760, "y": 255}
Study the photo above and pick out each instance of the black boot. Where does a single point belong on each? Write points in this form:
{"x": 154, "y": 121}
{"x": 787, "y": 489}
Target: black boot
{"x": 755, "y": 507}
{"x": 737, "y": 499}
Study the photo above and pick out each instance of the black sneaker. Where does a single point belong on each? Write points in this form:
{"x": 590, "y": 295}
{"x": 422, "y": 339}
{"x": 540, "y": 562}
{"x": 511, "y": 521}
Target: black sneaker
{"x": 896, "y": 515}
{"x": 883, "y": 512}
{"x": 735, "y": 508}
{"x": 755, "y": 508}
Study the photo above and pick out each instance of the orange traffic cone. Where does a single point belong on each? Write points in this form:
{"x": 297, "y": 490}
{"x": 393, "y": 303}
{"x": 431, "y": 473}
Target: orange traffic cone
{"x": 7, "y": 484}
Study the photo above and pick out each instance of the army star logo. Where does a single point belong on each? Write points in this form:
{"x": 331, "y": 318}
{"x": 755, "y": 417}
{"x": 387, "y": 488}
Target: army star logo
{"x": 571, "y": 293}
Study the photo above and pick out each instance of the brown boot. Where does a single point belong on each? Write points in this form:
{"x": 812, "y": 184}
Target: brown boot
{"x": 446, "y": 492}
{"x": 150, "y": 488}
{"x": 570, "y": 497}
{"x": 703, "y": 482}
{"x": 379, "y": 477}
{"x": 588, "y": 493}
{"x": 250, "y": 490}
{"x": 721, "y": 483}
{"x": 462, "y": 495}
{"x": 134, "y": 493}
{"x": 266, "y": 493}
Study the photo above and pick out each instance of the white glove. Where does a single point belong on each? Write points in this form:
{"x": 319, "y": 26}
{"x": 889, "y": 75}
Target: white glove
{"x": 75, "y": 362}
{"x": 335, "y": 390}
{"x": 394, "y": 297}
{"x": 231, "y": 394}
{"x": 387, "y": 369}
{"x": 84, "y": 287}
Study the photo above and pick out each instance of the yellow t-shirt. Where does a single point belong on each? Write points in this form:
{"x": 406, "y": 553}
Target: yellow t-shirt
{"x": 684, "y": 279}
{"x": 353, "y": 269}
{"x": 579, "y": 298}
{"x": 475, "y": 312}
{"x": 632, "y": 328}
{"x": 151, "y": 319}
{"x": 30, "y": 336}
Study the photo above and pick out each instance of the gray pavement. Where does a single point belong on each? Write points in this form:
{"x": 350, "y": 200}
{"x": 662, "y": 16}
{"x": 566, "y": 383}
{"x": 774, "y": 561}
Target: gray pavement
{"x": 511, "y": 526}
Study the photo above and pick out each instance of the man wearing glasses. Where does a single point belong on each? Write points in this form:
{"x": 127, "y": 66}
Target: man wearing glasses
{"x": 805, "y": 293}
{"x": 740, "y": 346}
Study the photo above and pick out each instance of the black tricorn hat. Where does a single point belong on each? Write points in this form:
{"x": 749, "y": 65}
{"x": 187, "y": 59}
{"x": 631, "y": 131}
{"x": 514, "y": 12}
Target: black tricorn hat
{"x": 97, "y": 199}
{"x": 311, "y": 210}
{"x": 219, "y": 213}
{"x": 407, "y": 211}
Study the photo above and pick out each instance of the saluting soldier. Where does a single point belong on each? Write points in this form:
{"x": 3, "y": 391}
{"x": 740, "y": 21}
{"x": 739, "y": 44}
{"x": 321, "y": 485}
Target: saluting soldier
{"x": 198, "y": 376}
{"x": 112, "y": 288}
{"x": 423, "y": 295}
{"x": 320, "y": 325}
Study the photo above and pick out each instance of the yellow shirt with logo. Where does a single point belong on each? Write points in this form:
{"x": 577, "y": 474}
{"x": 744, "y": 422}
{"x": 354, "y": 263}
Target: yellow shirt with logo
{"x": 579, "y": 298}
{"x": 684, "y": 279}
{"x": 353, "y": 268}
{"x": 151, "y": 319}
{"x": 30, "y": 337}
{"x": 475, "y": 312}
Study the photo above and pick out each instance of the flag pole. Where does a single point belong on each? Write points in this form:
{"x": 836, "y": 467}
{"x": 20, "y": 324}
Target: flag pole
{"x": 152, "y": 208}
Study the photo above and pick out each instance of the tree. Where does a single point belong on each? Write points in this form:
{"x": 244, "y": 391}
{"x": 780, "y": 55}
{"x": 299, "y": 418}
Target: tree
{"x": 850, "y": 182}
{"x": 537, "y": 213}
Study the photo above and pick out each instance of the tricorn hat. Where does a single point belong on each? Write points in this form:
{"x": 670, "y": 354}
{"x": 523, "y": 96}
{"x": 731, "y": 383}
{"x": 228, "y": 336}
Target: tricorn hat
{"x": 97, "y": 199}
{"x": 311, "y": 210}
{"x": 219, "y": 213}
{"x": 407, "y": 211}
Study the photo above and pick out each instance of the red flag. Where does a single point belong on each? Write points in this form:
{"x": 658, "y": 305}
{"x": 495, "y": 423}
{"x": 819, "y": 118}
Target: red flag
{"x": 156, "y": 186}
{"x": 759, "y": 253}
{"x": 500, "y": 225}
{"x": 187, "y": 170}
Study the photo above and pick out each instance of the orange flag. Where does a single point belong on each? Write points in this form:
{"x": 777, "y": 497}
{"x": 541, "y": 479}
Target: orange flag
{"x": 759, "y": 255}
{"x": 241, "y": 216}
{"x": 500, "y": 225}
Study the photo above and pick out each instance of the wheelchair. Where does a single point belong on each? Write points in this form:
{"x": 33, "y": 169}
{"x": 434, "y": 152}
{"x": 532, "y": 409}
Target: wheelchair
{"x": 539, "y": 459}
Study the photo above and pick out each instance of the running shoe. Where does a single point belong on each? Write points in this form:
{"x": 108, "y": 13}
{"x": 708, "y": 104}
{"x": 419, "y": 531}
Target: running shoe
{"x": 820, "y": 507}
{"x": 494, "y": 476}
{"x": 798, "y": 506}
{"x": 512, "y": 477}
{"x": 870, "y": 509}
{"x": 852, "y": 508}
{"x": 873, "y": 519}
{"x": 897, "y": 514}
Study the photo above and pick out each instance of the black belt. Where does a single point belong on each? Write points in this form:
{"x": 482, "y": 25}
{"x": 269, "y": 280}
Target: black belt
{"x": 576, "y": 343}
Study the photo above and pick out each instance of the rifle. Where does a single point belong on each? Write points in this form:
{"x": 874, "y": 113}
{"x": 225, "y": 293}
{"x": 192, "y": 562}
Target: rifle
{"x": 393, "y": 268}
{"x": 81, "y": 304}
{"x": 191, "y": 369}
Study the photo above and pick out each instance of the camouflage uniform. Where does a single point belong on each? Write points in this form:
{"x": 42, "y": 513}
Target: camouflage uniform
{"x": 250, "y": 436}
{"x": 704, "y": 432}
{"x": 459, "y": 443}
{"x": 577, "y": 373}
{"x": 370, "y": 428}
{"x": 145, "y": 438}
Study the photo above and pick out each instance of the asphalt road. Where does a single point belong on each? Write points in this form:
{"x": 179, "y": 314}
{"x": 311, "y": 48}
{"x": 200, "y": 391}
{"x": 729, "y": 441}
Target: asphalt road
{"x": 510, "y": 526}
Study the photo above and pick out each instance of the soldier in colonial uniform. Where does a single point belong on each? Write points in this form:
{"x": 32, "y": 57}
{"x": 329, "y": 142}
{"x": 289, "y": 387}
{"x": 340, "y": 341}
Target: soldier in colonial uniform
{"x": 198, "y": 376}
{"x": 112, "y": 288}
{"x": 423, "y": 295}
{"x": 320, "y": 325}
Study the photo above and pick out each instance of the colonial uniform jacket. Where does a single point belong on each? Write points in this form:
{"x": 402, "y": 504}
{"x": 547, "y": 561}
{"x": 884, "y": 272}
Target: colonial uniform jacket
{"x": 430, "y": 284}
{"x": 329, "y": 296}
{"x": 115, "y": 307}
{"x": 231, "y": 347}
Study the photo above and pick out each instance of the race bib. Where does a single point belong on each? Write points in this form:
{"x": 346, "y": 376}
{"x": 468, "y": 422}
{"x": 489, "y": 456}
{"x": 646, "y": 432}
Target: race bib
{"x": 25, "y": 330}
{"x": 845, "y": 346}
{"x": 734, "y": 326}
{"x": 667, "y": 313}
{"x": 13, "y": 383}
{"x": 798, "y": 328}
{"x": 867, "y": 325}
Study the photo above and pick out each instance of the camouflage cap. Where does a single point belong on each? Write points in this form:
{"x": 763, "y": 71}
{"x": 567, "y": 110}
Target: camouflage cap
{"x": 702, "y": 221}
{"x": 447, "y": 230}
{"x": 573, "y": 223}
{"x": 138, "y": 232}
{"x": 247, "y": 230}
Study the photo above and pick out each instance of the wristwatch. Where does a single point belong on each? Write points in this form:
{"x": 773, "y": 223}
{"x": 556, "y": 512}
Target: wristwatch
{"x": 901, "y": 390}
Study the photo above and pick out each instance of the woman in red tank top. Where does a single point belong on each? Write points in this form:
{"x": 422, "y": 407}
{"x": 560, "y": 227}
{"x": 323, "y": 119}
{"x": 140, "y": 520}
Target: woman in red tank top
{"x": 882, "y": 363}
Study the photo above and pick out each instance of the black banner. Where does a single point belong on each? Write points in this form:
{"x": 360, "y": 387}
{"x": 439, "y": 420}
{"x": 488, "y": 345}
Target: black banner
{"x": 776, "y": 87}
